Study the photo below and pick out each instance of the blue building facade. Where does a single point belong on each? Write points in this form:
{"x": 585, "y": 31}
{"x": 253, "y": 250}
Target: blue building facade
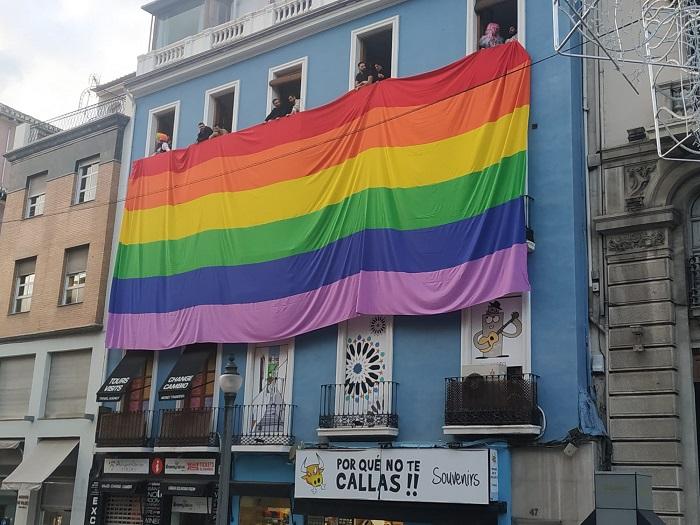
{"x": 535, "y": 388}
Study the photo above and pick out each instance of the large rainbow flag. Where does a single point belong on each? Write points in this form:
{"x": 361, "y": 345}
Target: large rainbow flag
{"x": 404, "y": 197}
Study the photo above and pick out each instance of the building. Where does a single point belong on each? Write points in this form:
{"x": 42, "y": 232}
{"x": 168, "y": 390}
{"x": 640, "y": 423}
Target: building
{"x": 61, "y": 181}
{"x": 644, "y": 280}
{"x": 157, "y": 441}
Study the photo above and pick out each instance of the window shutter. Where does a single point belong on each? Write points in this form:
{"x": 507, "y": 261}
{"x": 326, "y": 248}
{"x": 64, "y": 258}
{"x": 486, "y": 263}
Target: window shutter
{"x": 37, "y": 184}
{"x": 68, "y": 381}
{"x": 26, "y": 266}
{"x": 76, "y": 259}
{"x": 15, "y": 386}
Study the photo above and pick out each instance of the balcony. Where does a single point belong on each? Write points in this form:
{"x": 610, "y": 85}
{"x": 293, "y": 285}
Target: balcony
{"x": 187, "y": 427}
{"x": 123, "y": 429}
{"x": 263, "y": 427}
{"x": 275, "y": 13}
{"x": 492, "y": 405}
{"x": 359, "y": 410}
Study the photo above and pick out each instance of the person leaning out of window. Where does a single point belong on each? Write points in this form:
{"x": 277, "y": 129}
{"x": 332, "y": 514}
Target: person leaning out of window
{"x": 364, "y": 75}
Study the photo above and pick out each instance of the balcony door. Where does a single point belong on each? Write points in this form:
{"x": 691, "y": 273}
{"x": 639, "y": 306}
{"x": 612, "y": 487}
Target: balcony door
{"x": 364, "y": 368}
{"x": 201, "y": 395}
{"x": 268, "y": 389}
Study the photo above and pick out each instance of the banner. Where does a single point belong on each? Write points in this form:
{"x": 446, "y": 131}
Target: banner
{"x": 419, "y": 475}
{"x": 404, "y": 197}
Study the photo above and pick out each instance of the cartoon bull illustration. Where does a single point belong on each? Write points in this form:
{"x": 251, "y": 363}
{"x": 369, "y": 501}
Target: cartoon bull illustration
{"x": 313, "y": 474}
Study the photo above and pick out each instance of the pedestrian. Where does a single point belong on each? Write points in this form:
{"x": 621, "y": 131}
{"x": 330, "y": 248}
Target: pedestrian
{"x": 162, "y": 143}
{"x": 204, "y": 132}
{"x": 492, "y": 36}
{"x": 294, "y": 105}
{"x": 379, "y": 73}
{"x": 277, "y": 110}
{"x": 364, "y": 76}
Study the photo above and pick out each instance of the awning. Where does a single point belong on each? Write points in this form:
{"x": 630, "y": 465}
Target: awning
{"x": 131, "y": 366}
{"x": 38, "y": 464}
{"x": 192, "y": 361}
{"x": 9, "y": 444}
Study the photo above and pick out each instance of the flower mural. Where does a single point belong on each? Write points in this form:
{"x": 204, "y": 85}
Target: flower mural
{"x": 364, "y": 366}
{"x": 377, "y": 325}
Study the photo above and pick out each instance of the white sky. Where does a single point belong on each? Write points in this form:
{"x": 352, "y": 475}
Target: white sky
{"x": 49, "y": 48}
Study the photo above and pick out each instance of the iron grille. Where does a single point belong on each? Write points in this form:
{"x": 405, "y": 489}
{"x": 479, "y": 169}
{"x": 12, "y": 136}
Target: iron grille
{"x": 187, "y": 427}
{"x": 123, "y": 429}
{"x": 263, "y": 424}
{"x": 347, "y": 406}
{"x": 491, "y": 400}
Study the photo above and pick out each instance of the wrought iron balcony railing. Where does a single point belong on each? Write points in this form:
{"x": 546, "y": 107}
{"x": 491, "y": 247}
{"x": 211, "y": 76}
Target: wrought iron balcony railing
{"x": 263, "y": 424}
{"x": 491, "y": 400}
{"x": 694, "y": 281}
{"x": 123, "y": 429}
{"x": 359, "y": 405}
{"x": 187, "y": 427}
{"x": 77, "y": 118}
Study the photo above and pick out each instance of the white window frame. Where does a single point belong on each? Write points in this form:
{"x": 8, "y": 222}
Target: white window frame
{"x": 340, "y": 350}
{"x": 17, "y": 297}
{"x": 83, "y": 173}
{"x": 232, "y": 87}
{"x": 67, "y": 287}
{"x": 272, "y": 73}
{"x": 40, "y": 203}
{"x": 466, "y": 335}
{"x": 250, "y": 367}
{"x": 151, "y": 131}
{"x": 358, "y": 33}
{"x": 473, "y": 27}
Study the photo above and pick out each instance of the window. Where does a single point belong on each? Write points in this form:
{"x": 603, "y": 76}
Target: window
{"x": 163, "y": 119}
{"x": 24, "y": 285}
{"x": 175, "y": 24}
{"x": 138, "y": 395}
{"x": 506, "y": 13}
{"x": 16, "y": 375}
{"x": 375, "y": 44}
{"x": 76, "y": 271}
{"x": 695, "y": 227}
{"x": 69, "y": 373}
{"x": 36, "y": 195}
{"x": 86, "y": 184}
{"x": 288, "y": 79}
{"x": 201, "y": 395}
{"x": 221, "y": 106}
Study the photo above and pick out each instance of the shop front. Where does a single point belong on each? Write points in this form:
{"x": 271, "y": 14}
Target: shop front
{"x": 397, "y": 486}
{"x": 153, "y": 489}
{"x": 10, "y": 458}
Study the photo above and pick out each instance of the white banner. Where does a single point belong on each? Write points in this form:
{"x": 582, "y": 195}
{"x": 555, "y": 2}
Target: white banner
{"x": 197, "y": 467}
{"x": 421, "y": 475}
{"x": 126, "y": 466}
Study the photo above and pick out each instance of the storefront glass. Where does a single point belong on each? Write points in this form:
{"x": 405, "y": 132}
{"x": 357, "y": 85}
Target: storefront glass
{"x": 56, "y": 502}
{"x": 264, "y": 511}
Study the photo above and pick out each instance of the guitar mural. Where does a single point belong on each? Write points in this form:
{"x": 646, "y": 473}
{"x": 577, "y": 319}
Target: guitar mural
{"x": 489, "y": 340}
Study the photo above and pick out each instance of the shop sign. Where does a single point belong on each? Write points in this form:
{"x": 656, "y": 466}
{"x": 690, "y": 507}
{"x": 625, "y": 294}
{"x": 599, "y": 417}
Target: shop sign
{"x": 420, "y": 475}
{"x": 151, "y": 508}
{"x": 157, "y": 466}
{"x": 191, "y": 505}
{"x": 493, "y": 474}
{"x": 190, "y": 466}
{"x": 126, "y": 466}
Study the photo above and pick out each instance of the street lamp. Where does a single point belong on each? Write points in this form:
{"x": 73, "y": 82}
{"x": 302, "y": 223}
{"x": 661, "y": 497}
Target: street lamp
{"x": 230, "y": 383}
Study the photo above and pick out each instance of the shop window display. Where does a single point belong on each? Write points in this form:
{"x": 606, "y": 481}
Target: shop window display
{"x": 264, "y": 511}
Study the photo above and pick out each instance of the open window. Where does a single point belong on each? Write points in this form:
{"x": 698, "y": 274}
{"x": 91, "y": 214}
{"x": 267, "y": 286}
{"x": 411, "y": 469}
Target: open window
{"x": 163, "y": 119}
{"x": 506, "y": 13}
{"x": 221, "y": 106}
{"x": 285, "y": 80}
{"x": 375, "y": 44}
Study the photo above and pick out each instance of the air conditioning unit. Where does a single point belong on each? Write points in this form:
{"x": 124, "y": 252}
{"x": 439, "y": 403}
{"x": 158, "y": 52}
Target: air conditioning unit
{"x": 484, "y": 369}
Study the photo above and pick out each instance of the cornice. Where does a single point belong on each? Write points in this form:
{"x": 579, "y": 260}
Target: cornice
{"x": 255, "y": 44}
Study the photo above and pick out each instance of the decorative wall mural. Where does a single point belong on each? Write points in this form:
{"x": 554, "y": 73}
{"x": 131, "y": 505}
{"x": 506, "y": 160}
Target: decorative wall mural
{"x": 364, "y": 365}
{"x": 495, "y": 331}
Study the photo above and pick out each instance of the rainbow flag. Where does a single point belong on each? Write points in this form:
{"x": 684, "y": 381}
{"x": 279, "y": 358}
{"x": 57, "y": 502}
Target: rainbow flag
{"x": 404, "y": 197}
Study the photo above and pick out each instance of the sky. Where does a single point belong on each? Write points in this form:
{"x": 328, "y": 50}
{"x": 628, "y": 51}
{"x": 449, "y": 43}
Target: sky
{"x": 49, "y": 49}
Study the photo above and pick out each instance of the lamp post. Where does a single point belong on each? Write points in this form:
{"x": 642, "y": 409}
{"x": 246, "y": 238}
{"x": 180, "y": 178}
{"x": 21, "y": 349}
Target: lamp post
{"x": 230, "y": 383}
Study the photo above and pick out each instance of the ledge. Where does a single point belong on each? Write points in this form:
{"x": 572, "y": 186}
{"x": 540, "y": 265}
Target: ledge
{"x": 359, "y": 431}
{"x": 640, "y": 220}
{"x": 492, "y": 430}
{"x": 186, "y": 449}
{"x": 103, "y": 450}
{"x": 53, "y": 333}
{"x": 269, "y": 449}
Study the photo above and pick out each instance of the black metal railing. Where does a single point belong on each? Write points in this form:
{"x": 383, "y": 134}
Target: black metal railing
{"x": 694, "y": 281}
{"x": 529, "y": 232}
{"x": 123, "y": 429}
{"x": 78, "y": 118}
{"x": 491, "y": 400}
{"x": 359, "y": 405}
{"x": 264, "y": 424}
{"x": 183, "y": 427}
